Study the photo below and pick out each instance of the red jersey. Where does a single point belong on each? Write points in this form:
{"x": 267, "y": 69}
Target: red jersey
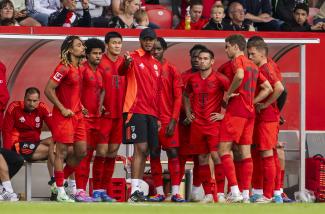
{"x": 92, "y": 85}
{"x": 194, "y": 25}
{"x": 171, "y": 93}
{"x": 271, "y": 113}
{"x": 114, "y": 86}
{"x": 226, "y": 69}
{"x": 275, "y": 67}
{"x": 69, "y": 80}
{"x": 4, "y": 94}
{"x": 28, "y": 125}
{"x": 143, "y": 84}
{"x": 207, "y": 95}
{"x": 185, "y": 77}
{"x": 243, "y": 105}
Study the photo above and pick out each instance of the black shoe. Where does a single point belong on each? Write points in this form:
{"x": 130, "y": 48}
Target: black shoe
{"x": 53, "y": 196}
{"x": 138, "y": 196}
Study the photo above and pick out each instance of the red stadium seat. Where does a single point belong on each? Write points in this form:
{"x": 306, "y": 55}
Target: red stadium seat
{"x": 160, "y": 15}
{"x": 312, "y": 12}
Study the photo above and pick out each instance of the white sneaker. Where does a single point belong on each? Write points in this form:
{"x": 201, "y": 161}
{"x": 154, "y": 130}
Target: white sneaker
{"x": 246, "y": 200}
{"x": 63, "y": 197}
{"x": 221, "y": 199}
{"x": 263, "y": 200}
{"x": 234, "y": 198}
{"x": 195, "y": 197}
{"x": 207, "y": 199}
{"x": 8, "y": 196}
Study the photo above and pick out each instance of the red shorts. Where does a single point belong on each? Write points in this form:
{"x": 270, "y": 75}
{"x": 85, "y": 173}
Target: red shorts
{"x": 184, "y": 138}
{"x": 68, "y": 130}
{"x": 203, "y": 140}
{"x": 266, "y": 135}
{"x": 111, "y": 130}
{"x": 92, "y": 128}
{"x": 168, "y": 142}
{"x": 237, "y": 129}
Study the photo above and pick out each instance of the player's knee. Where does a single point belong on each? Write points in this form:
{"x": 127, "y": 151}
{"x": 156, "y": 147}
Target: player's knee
{"x": 172, "y": 153}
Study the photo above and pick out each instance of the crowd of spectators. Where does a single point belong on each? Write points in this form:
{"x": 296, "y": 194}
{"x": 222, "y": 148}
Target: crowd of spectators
{"x": 231, "y": 15}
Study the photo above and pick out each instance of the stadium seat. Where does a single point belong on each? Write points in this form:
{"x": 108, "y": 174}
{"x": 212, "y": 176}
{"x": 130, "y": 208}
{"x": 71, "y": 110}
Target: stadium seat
{"x": 312, "y": 12}
{"x": 160, "y": 15}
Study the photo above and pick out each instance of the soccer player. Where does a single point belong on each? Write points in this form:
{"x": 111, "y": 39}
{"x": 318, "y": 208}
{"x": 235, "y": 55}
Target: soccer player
{"x": 111, "y": 119}
{"x": 171, "y": 100}
{"x": 92, "y": 93}
{"x": 63, "y": 90}
{"x": 4, "y": 93}
{"x": 238, "y": 123}
{"x": 204, "y": 112}
{"x": 184, "y": 128}
{"x": 140, "y": 109}
{"x": 266, "y": 125}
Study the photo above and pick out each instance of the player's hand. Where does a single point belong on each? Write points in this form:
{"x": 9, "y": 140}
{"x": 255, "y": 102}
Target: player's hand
{"x": 227, "y": 98}
{"x": 259, "y": 107}
{"x": 128, "y": 58}
{"x": 214, "y": 116}
{"x": 317, "y": 26}
{"x": 190, "y": 117}
{"x": 159, "y": 125}
{"x": 85, "y": 111}
{"x": 101, "y": 110}
{"x": 267, "y": 19}
{"x": 67, "y": 112}
{"x": 170, "y": 129}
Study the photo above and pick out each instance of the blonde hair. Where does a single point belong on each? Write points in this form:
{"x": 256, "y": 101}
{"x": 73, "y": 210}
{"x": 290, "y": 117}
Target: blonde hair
{"x": 140, "y": 15}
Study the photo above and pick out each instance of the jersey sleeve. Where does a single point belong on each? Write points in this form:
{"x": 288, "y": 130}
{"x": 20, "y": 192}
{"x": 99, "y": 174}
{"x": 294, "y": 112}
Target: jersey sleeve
{"x": 261, "y": 78}
{"x": 8, "y": 127}
{"x": 177, "y": 90}
{"x": 4, "y": 94}
{"x": 237, "y": 63}
{"x": 59, "y": 73}
{"x": 47, "y": 115}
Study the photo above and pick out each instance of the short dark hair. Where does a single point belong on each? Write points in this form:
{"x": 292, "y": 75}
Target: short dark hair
{"x": 94, "y": 43}
{"x": 197, "y": 47}
{"x": 32, "y": 90}
{"x": 112, "y": 34}
{"x": 301, "y": 6}
{"x": 162, "y": 42}
{"x": 206, "y": 50}
{"x": 195, "y": 2}
{"x": 237, "y": 39}
{"x": 259, "y": 43}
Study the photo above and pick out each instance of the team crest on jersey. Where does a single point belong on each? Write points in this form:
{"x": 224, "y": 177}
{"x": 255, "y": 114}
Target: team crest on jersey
{"x": 141, "y": 66}
{"x": 22, "y": 119}
{"x": 37, "y": 119}
{"x": 1, "y": 81}
{"x": 57, "y": 76}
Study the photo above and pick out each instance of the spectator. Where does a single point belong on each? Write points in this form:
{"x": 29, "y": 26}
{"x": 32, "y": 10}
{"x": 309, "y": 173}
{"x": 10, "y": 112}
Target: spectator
{"x": 259, "y": 12}
{"x": 42, "y": 9}
{"x": 237, "y": 22}
{"x": 207, "y": 5}
{"x": 320, "y": 16}
{"x": 283, "y": 9}
{"x": 197, "y": 22}
{"x": 7, "y": 12}
{"x": 95, "y": 7}
{"x": 125, "y": 19}
{"x": 142, "y": 19}
{"x": 300, "y": 22}
{"x": 217, "y": 18}
{"x": 21, "y": 14}
{"x": 67, "y": 17}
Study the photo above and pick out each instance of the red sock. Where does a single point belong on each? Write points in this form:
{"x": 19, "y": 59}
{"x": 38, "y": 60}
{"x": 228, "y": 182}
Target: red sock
{"x": 277, "y": 171}
{"x": 90, "y": 153}
{"x": 68, "y": 170}
{"x": 108, "y": 172}
{"x": 205, "y": 177}
{"x": 237, "y": 165}
{"x": 257, "y": 179}
{"x": 196, "y": 172}
{"x": 182, "y": 163}
{"x": 229, "y": 169}
{"x": 269, "y": 176}
{"x": 98, "y": 170}
{"x": 219, "y": 174}
{"x": 80, "y": 173}
{"x": 246, "y": 171}
{"x": 156, "y": 171}
{"x": 173, "y": 167}
{"x": 59, "y": 178}
{"x": 282, "y": 178}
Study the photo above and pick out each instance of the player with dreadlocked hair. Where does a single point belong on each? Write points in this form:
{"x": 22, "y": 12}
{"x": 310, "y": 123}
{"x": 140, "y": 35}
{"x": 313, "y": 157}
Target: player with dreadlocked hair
{"x": 63, "y": 90}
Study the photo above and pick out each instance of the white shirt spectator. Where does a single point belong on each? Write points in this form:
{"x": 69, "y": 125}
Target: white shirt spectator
{"x": 95, "y": 7}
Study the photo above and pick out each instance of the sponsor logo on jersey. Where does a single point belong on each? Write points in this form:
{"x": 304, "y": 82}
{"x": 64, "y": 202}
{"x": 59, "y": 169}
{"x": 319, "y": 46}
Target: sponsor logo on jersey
{"x": 57, "y": 76}
{"x": 22, "y": 119}
{"x": 141, "y": 66}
